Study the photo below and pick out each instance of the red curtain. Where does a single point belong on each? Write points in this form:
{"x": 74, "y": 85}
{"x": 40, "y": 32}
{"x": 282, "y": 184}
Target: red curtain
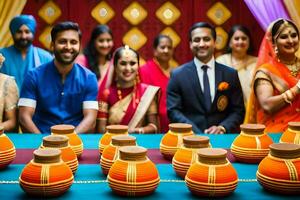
{"x": 191, "y": 11}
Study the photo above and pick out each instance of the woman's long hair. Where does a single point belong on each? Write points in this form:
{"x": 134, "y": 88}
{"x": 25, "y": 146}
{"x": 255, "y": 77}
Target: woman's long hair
{"x": 90, "y": 51}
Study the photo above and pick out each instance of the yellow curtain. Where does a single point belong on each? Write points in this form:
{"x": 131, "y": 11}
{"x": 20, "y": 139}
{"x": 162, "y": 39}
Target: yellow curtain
{"x": 8, "y": 10}
{"x": 293, "y": 7}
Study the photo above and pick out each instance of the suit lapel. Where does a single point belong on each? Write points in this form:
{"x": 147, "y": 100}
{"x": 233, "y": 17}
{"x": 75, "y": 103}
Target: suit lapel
{"x": 193, "y": 77}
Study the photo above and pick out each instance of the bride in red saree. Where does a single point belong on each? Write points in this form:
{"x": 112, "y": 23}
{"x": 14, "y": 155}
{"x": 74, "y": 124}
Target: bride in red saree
{"x": 124, "y": 100}
{"x": 274, "y": 99}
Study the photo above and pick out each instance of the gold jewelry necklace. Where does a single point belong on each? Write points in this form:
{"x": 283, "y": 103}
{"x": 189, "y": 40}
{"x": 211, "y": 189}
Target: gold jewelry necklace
{"x": 294, "y": 67}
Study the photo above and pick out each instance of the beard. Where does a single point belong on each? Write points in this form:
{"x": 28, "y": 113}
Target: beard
{"x": 63, "y": 59}
{"x": 22, "y": 43}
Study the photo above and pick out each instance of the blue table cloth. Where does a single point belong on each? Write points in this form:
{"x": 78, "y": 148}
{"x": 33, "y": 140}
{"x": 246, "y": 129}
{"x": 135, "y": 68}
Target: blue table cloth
{"x": 91, "y": 183}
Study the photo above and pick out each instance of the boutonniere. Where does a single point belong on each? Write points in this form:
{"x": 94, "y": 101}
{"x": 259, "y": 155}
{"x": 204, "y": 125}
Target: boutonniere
{"x": 223, "y": 86}
{"x": 2, "y": 59}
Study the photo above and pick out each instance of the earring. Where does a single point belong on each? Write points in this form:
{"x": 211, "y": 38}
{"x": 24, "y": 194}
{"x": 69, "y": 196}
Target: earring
{"x": 276, "y": 53}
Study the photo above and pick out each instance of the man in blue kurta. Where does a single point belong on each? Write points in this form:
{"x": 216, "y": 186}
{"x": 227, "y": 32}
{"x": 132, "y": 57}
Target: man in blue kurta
{"x": 61, "y": 91}
{"x": 22, "y": 56}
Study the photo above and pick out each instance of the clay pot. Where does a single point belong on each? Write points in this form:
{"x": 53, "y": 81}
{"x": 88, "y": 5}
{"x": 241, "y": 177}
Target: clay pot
{"x": 46, "y": 175}
{"x": 7, "y": 150}
{"x": 133, "y": 174}
{"x": 69, "y": 131}
{"x": 61, "y": 142}
{"x": 111, "y": 130}
{"x": 173, "y": 139}
{"x": 279, "y": 172}
{"x": 252, "y": 144}
{"x": 111, "y": 152}
{"x": 212, "y": 175}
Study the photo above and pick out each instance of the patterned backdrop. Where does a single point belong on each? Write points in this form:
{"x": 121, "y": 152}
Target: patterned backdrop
{"x": 136, "y": 23}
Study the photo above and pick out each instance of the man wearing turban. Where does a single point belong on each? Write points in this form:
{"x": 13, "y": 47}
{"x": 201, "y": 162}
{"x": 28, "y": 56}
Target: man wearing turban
{"x": 22, "y": 56}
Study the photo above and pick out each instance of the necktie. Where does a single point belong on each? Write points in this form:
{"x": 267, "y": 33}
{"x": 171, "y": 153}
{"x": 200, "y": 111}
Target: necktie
{"x": 206, "y": 91}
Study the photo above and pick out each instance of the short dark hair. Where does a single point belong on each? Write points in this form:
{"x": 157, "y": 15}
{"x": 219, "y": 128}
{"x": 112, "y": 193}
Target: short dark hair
{"x": 203, "y": 25}
{"x": 63, "y": 26}
{"x": 245, "y": 30}
{"x": 118, "y": 52}
{"x": 158, "y": 38}
{"x": 277, "y": 26}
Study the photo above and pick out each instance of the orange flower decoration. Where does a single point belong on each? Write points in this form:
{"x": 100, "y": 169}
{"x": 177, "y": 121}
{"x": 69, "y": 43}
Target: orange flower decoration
{"x": 223, "y": 86}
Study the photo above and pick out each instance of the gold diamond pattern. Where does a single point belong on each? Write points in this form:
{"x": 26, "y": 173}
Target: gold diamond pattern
{"x": 135, "y": 13}
{"x": 134, "y": 38}
{"x": 49, "y": 12}
{"x": 45, "y": 37}
{"x": 168, "y": 13}
{"x": 103, "y": 13}
{"x": 222, "y": 37}
{"x": 218, "y": 13}
{"x": 173, "y": 35}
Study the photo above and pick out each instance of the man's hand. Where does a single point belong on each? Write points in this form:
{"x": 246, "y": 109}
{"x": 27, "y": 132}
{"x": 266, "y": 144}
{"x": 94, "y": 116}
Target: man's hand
{"x": 215, "y": 130}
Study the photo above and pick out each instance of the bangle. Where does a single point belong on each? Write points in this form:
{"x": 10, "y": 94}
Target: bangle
{"x": 294, "y": 92}
{"x": 298, "y": 85}
{"x": 154, "y": 126}
{"x": 285, "y": 98}
{"x": 290, "y": 95}
{"x": 141, "y": 130}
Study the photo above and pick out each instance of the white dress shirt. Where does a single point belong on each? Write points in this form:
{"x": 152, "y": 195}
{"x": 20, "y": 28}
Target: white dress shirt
{"x": 210, "y": 74}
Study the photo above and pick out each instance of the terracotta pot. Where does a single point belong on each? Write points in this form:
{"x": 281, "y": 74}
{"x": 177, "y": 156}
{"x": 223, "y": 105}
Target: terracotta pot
{"x": 69, "y": 131}
{"x": 7, "y": 150}
{"x": 252, "y": 144}
{"x": 111, "y": 152}
{"x": 61, "y": 142}
{"x": 173, "y": 139}
{"x": 133, "y": 174}
{"x": 212, "y": 175}
{"x": 292, "y": 134}
{"x": 111, "y": 130}
{"x": 46, "y": 175}
{"x": 279, "y": 172}
{"x": 186, "y": 155}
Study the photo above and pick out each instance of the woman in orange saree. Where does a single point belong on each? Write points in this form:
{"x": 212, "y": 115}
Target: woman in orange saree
{"x": 125, "y": 100}
{"x": 274, "y": 99}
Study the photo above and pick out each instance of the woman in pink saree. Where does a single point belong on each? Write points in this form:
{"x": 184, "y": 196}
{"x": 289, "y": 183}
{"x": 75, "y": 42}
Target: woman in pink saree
{"x": 124, "y": 99}
{"x": 157, "y": 72}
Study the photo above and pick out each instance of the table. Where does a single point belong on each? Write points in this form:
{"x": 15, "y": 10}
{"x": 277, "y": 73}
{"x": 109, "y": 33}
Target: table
{"x": 91, "y": 183}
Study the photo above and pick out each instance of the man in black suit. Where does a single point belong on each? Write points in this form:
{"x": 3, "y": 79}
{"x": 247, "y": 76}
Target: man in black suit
{"x": 205, "y": 93}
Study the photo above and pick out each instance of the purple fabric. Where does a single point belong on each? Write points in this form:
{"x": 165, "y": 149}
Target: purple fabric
{"x": 266, "y": 11}
{"x": 91, "y": 156}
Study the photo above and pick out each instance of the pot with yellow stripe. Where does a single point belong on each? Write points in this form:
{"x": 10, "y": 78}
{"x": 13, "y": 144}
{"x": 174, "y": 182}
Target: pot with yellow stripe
{"x": 111, "y": 152}
{"x": 7, "y": 150}
{"x": 212, "y": 175}
{"x": 279, "y": 172}
{"x": 173, "y": 139}
{"x": 111, "y": 131}
{"x": 61, "y": 142}
{"x": 46, "y": 175}
{"x": 252, "y": 144}
{"x": 133, "y": 174}
{"x": 292, "y": 134}
{"x": 69, "y": 131}
{"x": 187, "y": 154}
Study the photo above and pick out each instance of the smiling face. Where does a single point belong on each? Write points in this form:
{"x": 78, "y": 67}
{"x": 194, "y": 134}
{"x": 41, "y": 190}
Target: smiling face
{"x": 127, "y": 67}
{"x": 202, "y": 44}
{"x": 23, "y": 37}
{"x": 66, "y": 46}
{"x": 239, "y": 42}
{"x": 164, "y": 50}
{"x": 104, "y": 44}
{"x": 287, "y": 42}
